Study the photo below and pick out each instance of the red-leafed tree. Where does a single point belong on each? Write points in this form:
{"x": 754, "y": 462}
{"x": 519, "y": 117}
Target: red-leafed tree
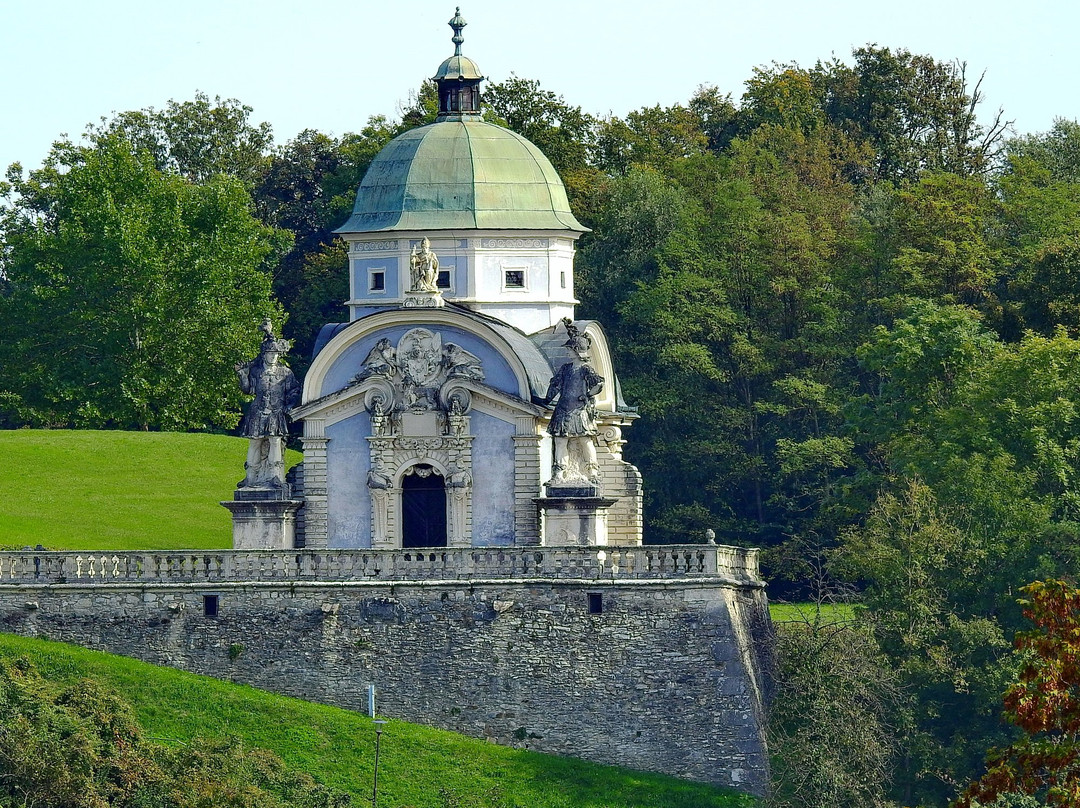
{"x": 1045, "y": 704}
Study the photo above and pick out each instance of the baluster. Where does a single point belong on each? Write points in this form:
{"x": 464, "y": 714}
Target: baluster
{"x": 728, "y": 563}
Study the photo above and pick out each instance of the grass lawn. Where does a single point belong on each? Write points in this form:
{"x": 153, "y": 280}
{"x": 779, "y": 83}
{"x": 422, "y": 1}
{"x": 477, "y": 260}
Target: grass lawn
{"x": 807, "y": 612}
{"x": 95, "y": 490}
{"x": 337, "y": 746}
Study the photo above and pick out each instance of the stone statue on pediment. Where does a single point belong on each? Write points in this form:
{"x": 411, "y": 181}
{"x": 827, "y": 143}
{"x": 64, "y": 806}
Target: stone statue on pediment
{"x": 424, "y": 266}
{"x": 380, "y": 361}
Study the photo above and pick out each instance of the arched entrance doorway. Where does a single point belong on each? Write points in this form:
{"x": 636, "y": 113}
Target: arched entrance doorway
{"x": 423, "y": 508}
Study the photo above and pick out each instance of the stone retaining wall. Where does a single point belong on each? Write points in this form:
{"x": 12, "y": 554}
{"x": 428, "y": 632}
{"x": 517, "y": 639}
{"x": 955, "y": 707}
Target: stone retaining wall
{"x": 608, "y": 660}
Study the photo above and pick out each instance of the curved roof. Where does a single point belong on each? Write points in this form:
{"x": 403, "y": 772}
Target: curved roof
{"x": 461, "y": 175}
{"x": 458, "y": 67}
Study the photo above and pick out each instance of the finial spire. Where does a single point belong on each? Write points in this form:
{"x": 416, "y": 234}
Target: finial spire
{"x": 457, "y": 23}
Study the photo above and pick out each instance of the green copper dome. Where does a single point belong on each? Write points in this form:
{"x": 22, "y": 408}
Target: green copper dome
{"x": 458, "y": 67}
{"x": 461, "y": 175}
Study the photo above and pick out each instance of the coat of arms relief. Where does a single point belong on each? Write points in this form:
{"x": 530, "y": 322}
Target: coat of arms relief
{"x": 419, "y": 425}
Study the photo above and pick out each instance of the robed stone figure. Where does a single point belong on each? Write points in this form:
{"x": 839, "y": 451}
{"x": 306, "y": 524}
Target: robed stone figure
{"x": 573, "y": 423}
{"x": 266, "y": 422}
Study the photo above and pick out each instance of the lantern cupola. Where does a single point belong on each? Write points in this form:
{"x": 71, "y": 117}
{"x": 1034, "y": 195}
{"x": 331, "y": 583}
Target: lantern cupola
{"x": 458, "y": 79}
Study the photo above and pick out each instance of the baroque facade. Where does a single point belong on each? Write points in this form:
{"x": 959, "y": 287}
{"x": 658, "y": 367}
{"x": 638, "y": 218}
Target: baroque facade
{"x": 427, "y": 417}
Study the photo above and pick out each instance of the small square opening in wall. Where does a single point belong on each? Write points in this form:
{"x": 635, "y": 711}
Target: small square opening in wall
{"x": 377, "y": 280}
{"x": 443, "y": 279}
{"x": 515, "y": 279}
{"x": 596, "y": 603}
{"x": 210, "y": 605}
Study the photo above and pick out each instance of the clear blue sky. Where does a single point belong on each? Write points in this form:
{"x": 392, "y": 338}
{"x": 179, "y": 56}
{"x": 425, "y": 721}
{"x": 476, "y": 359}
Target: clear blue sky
{"x": 330, "y": 64}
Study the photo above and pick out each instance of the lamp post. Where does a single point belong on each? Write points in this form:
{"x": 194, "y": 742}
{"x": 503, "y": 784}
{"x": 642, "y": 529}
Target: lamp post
{"x": 379, "y": 724}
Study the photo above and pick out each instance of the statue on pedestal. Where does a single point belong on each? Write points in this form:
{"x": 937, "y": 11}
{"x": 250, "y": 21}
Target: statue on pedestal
{"x": 266, "y": 423}
{"x": 425, "y": 268}
{"x": 573, "y": 424}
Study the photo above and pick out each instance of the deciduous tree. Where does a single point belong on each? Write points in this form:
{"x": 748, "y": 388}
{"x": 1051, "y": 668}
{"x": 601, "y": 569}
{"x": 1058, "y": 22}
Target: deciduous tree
{"x": 1044, "y": 703}
{"x": 129, "y": 293}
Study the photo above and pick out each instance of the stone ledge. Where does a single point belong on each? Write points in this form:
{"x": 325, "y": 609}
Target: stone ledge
{"x": 448, "y": 583}
{"x": 511, "y": 563}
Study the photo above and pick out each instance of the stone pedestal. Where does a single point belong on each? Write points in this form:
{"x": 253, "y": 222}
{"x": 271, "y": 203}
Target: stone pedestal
{"x": 263, "y": 519}
{"x": 419, "y": 299}
{"x": 573, "y": 514}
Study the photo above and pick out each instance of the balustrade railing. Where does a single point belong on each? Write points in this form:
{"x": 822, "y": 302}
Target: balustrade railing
{"x": 458, "y": 563}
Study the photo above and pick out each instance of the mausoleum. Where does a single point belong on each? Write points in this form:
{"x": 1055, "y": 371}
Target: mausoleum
{"x": 427, "y": 419}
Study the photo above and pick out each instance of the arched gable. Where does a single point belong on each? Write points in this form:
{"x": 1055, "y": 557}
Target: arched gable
{"x": 343, "y": 356}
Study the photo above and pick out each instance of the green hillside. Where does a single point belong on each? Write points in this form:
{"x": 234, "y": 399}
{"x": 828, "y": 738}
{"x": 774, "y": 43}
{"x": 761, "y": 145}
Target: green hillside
{"x": 418, "y": 767}
{"x": 93, "y": 490}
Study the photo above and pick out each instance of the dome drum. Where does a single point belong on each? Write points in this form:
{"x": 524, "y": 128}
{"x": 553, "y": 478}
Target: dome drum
{"x": 517, "y": 276}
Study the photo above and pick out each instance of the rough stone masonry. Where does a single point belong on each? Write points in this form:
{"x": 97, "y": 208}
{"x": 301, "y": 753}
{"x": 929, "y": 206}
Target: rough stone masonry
{"x": 650, "y": 658}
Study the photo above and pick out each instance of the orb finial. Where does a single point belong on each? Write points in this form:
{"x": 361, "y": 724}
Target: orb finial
{"x": 457, "y": 23}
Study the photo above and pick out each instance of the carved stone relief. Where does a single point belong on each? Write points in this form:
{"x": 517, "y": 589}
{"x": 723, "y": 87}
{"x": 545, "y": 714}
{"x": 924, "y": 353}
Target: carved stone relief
{"x": 514, "y": 243}
{"x": 421, "y": 373}
{"x": 374, "y": 246}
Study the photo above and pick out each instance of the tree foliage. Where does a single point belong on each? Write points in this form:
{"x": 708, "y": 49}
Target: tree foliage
{"x": 198, "y": 139}
{"x": 1044, "y": 703}
{"x": 829, "y": 729}
{"x": 129, "y": 293}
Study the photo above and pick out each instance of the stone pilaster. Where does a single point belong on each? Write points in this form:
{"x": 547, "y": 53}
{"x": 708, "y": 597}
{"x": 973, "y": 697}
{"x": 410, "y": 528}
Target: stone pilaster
{"x": 315, "y": 511}
{"x": 622, "y": 481}
{"x": 526, "y": 482}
